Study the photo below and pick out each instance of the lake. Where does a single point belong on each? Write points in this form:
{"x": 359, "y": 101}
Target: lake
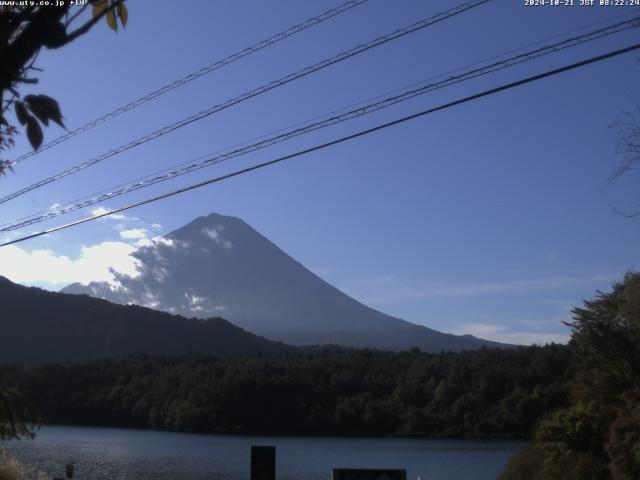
{"x": 114, "y": 454}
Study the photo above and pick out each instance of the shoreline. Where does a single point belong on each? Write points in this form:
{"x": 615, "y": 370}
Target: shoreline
{"x": 285, "y": 436}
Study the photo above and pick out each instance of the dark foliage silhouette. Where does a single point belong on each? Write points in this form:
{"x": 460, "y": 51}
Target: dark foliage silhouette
{"x": 484, "y": 393}
{"x": 597, "y": 435}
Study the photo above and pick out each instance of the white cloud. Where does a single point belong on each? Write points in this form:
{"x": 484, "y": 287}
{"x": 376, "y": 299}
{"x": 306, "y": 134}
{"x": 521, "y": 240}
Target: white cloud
{"x": 133, "y": 234}
{"x": 388, "y": 289}
{"x": 167, "y": 242}
{"x": 159, "y": 273}
{"x": 501, "y": 333}
{"x": 194, "y": 299}
{"x": 159, "y": 241}
{"x": 132, "y": 228}
{"x": 103, "y": 211}
{"x": 214, "y": 234}
{"x": 45, "y": 267}
{"x": 144, "y": 242}
{"x": 150, "y": 300}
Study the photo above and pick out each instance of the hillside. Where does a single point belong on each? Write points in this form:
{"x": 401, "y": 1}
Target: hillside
{"x": 38, "y": 325}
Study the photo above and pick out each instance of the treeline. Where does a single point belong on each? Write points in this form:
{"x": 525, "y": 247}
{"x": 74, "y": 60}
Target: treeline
{"x": 484, "y": 394}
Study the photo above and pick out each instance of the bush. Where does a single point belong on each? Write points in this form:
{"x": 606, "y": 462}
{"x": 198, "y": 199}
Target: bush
{"x": 524, "y": 466}
{"x": 533, "y": 464}
{"x": 597, "y": 437}
{"x": 12, "y": 469}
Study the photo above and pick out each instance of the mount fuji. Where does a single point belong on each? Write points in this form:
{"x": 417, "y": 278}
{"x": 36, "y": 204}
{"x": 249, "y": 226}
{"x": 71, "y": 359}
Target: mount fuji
{"x": 219, "y": 266}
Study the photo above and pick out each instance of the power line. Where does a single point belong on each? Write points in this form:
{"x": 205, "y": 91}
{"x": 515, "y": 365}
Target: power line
{"x": 260, "y": 90}
{"x": 361, "y": 133}
{"x": 194, "y": 75}
{"x": 195, "y": 165}
{"x": 281, "y": 130}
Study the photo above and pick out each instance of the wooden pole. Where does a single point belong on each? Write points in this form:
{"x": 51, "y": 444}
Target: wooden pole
{"x": 263, "y": 463}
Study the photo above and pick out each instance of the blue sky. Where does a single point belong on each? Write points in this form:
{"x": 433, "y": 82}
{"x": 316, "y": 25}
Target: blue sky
{"x": 490, "y": 218}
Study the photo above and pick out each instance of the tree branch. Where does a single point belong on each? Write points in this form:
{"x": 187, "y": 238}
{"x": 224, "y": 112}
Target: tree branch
{"x": 87, "y": 26}
{"x": 76, "y": 15}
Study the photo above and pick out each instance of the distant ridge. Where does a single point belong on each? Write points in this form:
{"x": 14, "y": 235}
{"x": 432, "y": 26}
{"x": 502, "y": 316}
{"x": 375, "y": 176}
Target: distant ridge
{"x": 41, "y": 326}
{"x": 219, "y": 265}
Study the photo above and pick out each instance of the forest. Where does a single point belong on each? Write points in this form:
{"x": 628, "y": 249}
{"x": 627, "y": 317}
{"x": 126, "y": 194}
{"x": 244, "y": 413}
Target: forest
{"x": 489, "y": 393}
{"x": 579, "y": 404}
{"x": 596, "y": 435}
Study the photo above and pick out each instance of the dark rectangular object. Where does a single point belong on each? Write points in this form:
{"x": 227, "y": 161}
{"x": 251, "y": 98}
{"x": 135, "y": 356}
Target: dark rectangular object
{"x": 263, "y": 463}
{"x": 369, "y": 474}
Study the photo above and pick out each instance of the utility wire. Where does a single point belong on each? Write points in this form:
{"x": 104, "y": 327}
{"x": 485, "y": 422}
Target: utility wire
{"x": 326, "y": 122}
{"x": 194, "y": 75}
{"x": 194, "y": 165}
{"x": 322, "y": 146}
{"x": 262, "y": 89}
{"x": 281, "y": 130}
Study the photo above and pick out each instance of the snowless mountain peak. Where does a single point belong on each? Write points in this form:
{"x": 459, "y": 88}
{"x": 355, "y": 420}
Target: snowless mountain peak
{"x": 220, "y": 266}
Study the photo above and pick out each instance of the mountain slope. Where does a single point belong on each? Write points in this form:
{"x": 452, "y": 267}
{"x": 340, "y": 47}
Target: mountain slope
{"x": 219, "y": 265}
{"x": 37, "y": 325}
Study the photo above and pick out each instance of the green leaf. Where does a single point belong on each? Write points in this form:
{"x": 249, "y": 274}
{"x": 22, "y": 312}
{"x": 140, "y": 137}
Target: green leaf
{"x": 123, "y": 13}
{"x": 98, "y": 8}
{"x": 34, "y": 133}
{"x": 21, "y": 113}
{"x": 45, "y": 108}
{"x": 112, "y": 21}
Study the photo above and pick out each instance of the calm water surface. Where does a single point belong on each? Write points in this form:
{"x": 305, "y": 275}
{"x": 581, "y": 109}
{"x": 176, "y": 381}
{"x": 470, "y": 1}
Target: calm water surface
{"x": 114, "y": 454}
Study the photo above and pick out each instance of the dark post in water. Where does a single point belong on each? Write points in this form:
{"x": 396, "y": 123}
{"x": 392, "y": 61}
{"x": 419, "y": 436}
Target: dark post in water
{"x": 263, "y": 463}
{"x": 368, "y": 474}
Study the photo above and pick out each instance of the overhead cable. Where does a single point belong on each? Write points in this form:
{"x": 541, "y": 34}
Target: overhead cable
{"x": 258, "y": 91}
{"x": 340, "y": 140}
{"x": 422, "y": 89}
{"x": 194, "y": 75}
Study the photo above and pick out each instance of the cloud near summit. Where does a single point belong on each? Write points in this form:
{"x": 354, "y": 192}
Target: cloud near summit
{"x": 46, "y": 268}
{"x": 100, "y": 262}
